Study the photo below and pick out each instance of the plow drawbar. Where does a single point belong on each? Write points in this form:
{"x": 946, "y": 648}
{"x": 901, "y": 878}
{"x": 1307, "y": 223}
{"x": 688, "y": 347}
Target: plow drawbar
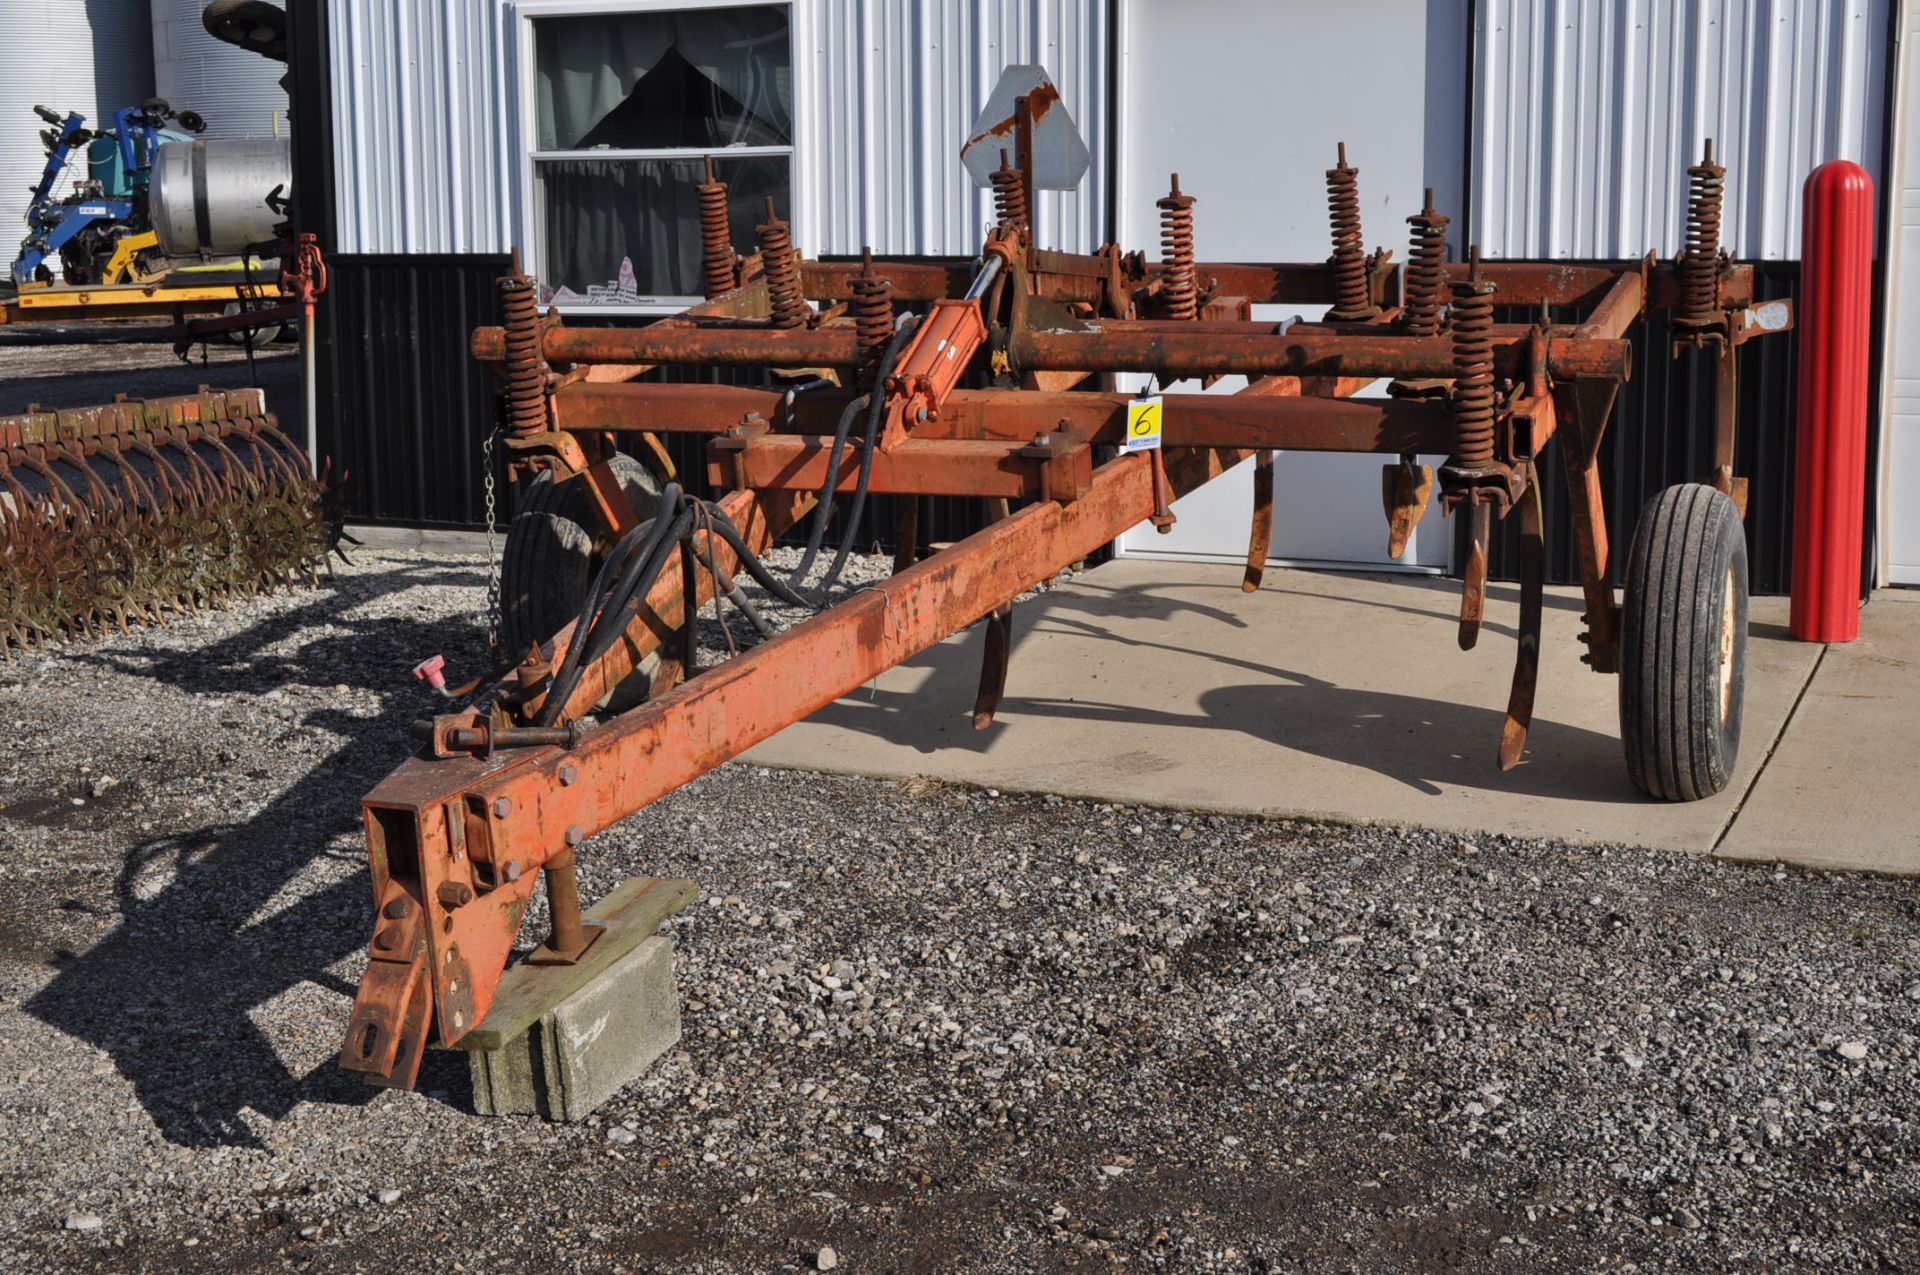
{"x": 993, "y": 378}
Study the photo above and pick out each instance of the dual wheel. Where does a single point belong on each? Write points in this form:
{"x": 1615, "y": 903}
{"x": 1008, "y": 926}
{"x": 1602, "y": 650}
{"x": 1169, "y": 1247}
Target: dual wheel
{"x": 1683, "y": 644}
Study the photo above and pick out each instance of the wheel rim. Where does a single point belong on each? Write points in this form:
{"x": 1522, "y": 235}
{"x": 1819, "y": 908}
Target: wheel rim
{"x": 1726, "y": 649}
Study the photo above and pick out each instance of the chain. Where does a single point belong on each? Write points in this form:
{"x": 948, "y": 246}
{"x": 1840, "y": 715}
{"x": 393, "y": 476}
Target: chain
{"x": 490, "y": 618}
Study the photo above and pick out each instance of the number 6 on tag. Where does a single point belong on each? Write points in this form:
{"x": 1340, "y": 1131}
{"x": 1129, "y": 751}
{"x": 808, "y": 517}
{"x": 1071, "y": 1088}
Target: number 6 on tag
{"x": 1143, "y": 425}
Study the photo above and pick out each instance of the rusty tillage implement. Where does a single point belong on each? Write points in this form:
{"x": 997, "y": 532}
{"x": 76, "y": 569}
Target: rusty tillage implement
{"x": 869, "y": 400}
{"x": 137, "y": 510}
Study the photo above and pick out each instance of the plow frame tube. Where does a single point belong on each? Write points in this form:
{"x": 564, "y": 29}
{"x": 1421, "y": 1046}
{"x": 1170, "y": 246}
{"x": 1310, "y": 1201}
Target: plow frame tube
{"x": 432, "y": 817}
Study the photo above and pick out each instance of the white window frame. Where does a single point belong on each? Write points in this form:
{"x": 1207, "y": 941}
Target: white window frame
{"x": 531, "y": 233}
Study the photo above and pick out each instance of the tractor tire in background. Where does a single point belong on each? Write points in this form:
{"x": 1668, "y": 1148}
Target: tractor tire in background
{"x": 555, "y": 545}
{"x": 1683, "y": 644}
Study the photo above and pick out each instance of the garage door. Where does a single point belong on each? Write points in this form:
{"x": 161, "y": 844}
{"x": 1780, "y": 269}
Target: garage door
{"x": 1901, "y": 491}
{"x": 1247, "y": 102}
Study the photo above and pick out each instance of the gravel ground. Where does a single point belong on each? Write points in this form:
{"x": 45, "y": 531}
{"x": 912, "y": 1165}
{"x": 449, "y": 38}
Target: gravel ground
{"x": 926, "y": 1028}
{"x": 72, "y": 366}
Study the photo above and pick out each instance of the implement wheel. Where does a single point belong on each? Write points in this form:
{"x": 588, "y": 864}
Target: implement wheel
{"x": 1683, "y": 644}
{"x": 555, "y": 545}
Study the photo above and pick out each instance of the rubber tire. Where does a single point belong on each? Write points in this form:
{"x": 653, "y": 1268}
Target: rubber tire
{"x": 555, "y": 544}
{"x": 1686, "y": 567}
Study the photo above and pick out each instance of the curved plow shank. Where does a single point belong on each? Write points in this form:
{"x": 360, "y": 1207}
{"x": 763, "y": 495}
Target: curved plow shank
{"x": 123, "y": 514}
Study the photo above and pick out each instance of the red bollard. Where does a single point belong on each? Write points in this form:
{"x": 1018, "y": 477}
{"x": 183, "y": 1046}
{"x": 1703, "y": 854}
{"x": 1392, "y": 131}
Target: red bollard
{"x": 1835, "y": 322}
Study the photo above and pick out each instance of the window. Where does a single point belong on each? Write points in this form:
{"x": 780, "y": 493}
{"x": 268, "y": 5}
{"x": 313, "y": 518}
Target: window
{"x": 628, "y": 106}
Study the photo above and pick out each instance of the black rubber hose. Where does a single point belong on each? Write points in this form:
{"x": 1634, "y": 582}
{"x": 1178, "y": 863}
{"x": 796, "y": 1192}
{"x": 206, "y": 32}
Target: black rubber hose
{"x": 614, "y": 620}
{"x": 731, "y": 590}
{"x": 874, "y": 415}
{"x": 624, "y": 569}
{"x": 629, "y": 588}
{"x": 755, "y": 567}
{"x": 824, "y": 506}
{"x": 601, "y": 640}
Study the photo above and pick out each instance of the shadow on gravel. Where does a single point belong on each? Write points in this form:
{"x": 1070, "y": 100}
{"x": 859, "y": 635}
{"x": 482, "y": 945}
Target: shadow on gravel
{"x": 171, "y": 993}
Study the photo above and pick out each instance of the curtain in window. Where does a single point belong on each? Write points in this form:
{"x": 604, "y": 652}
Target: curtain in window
{"x": 702, "y": 78}
{"x": 643, "y": 212}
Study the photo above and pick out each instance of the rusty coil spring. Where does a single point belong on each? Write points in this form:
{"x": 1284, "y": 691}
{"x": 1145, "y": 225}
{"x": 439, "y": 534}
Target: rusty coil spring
{"x": 1700, "y": 266}
{"x": 787, "y": 306}
{"x": 1179, "y": 287}
{"x": 1473, "y": 374}
{"x": 526, "y": 392}
{"x": 1349, "y": 248}
{"x": 716, "y": 236}
{"x": 1009, "y": 194}
{"x": 872, "y": 309}
{"x": 1426, "y": 278}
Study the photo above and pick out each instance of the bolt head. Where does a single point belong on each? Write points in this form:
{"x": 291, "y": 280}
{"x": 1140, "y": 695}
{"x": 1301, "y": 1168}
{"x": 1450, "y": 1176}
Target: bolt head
{"x": 511, "y": 870}
{"x": 397, "y": 909}
{"x": 575, "y": 835}
{"x": 502, "y": 807}
{"x": 455, "y": 894}
{"x": 569, "y": 775}
{"x": 387, "y": 938}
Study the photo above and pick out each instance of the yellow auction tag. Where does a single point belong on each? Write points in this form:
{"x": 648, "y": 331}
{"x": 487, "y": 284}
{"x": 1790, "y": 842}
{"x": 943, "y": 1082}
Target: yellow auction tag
{"x": 1143, "y": 425}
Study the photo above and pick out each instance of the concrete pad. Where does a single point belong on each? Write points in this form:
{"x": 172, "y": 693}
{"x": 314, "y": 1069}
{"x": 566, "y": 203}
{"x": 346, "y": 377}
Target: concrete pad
{"x": 559, "y": 1040}
{"x": 1325, "y": 695}
{"x": 1838, "y": 791}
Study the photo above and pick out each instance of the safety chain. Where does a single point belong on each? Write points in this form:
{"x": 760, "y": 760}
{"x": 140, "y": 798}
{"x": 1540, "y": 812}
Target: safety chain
{"x": 490, "y": 617}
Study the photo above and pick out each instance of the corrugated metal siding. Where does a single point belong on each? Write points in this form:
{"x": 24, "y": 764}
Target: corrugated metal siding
{"x": 895, "y": 88}
{"x": 423, "y": 157}
{"x": 1661, "y": 433}
{"x": 426, "y": 104}
{"x": 1587, "y": 113}
{"x": 237, "y": 92}
{"x": 91, "y": 56}
{"x": 404, "y": 408}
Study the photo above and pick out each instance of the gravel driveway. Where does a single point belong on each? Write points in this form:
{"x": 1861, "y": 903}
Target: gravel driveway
{"x": 927, "y": 1029}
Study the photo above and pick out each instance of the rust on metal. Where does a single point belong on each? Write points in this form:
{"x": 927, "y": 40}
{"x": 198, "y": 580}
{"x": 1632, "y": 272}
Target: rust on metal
{"x": 505, "y": 791}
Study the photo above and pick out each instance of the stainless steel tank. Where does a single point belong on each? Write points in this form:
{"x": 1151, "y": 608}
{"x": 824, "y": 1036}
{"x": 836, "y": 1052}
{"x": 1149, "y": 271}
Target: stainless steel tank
{"x": 209, "y": 196}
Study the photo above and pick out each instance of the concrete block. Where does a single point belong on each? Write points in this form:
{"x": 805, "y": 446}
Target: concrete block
{"x": 561, "y": 1039}
{"x": 609, "y": 1031}
{"x": 580, "y": 1053}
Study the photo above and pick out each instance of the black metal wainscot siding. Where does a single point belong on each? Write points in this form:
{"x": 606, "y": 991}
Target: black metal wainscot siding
{"x": 1661, "y": 433}
{"x": 404, "y": 410}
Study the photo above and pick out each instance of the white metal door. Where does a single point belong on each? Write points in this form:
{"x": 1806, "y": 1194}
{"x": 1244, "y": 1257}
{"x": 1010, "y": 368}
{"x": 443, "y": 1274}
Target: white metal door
{"x": 1900, "y": 489}
{"x": 1247, "y": 103}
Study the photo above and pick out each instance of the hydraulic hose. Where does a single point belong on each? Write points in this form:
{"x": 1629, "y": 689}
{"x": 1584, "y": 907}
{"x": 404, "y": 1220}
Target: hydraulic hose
{"x": 824, "y": 507}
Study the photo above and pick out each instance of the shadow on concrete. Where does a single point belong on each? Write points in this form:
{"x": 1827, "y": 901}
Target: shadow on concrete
{"x": 1427, "y": 744}
{"x": 170, "y": 994}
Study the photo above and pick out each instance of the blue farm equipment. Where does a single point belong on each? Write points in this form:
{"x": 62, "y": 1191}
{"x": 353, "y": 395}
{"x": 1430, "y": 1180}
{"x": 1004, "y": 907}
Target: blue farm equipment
{"x": 100, "y": 231}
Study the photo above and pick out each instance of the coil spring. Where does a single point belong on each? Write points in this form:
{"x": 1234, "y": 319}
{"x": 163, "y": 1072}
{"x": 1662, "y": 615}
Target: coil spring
{"x": 1426, "y": 269}
{"x": 1700, "y": 267}
{"x": 872, "y": 309}
{"x": 1473, "y": 374}
{"x": 1179, "y": 287}
{"x": 526, "y": 394}
{"x": 716, "y": 236}
{"x": 1009, "y": 194}
{"x": 789, "y": 308}
{"x": 1349, "y": 248}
